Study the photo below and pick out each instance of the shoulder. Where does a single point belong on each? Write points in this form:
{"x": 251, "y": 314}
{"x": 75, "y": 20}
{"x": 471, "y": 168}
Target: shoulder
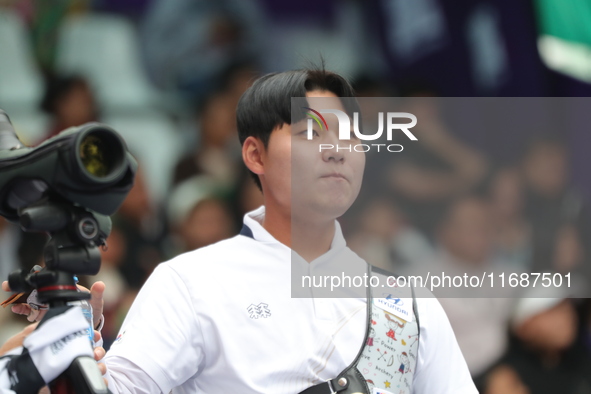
{"x": 209, "y": 256}
{"x": 429, "y": 308}
{"x": 226, "y": 261}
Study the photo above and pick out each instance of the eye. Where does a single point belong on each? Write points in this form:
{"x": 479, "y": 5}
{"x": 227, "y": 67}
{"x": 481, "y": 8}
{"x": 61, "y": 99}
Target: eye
{"x": 304, "y": 133}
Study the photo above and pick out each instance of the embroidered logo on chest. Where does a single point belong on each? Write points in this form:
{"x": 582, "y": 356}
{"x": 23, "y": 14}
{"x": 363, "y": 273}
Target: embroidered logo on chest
{"x": 258, "y": 311}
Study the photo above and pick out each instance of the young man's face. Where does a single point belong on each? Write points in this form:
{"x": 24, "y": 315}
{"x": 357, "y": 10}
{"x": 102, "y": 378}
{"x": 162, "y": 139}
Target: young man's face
{"x": 313, "y": 185}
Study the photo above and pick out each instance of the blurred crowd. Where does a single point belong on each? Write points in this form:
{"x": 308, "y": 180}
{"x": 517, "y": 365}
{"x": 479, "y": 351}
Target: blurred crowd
{"x": 445, "y": 206}
{"x": 168, "y": 75}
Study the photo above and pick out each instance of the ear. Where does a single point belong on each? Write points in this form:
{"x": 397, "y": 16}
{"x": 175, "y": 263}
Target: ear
{"x": 253, "y": 155}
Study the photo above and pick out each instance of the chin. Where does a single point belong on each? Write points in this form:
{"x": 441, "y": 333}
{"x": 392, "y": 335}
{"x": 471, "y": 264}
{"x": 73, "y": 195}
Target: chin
{"x": 319, "y": 210}
{"x": 333, "y": 209}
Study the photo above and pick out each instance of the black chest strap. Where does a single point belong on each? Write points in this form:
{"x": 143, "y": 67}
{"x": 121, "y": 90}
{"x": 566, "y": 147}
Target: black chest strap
{"x": 350, "y": 379}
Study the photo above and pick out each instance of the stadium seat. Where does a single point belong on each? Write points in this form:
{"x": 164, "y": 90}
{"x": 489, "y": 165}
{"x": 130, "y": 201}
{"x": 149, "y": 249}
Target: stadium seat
{"x": 104, "y": 49}
{"x": 21, "y": 84}
{"x": 153, "y": 140}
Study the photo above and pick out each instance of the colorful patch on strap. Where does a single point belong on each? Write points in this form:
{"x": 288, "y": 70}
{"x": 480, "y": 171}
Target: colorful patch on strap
{"x": 389, "y": 357}
{"x": 401, "y": 307}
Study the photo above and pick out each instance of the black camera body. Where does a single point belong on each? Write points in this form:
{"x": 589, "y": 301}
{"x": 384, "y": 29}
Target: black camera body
{"x": 88, "y": 165}
{"x": 66, "y": 187}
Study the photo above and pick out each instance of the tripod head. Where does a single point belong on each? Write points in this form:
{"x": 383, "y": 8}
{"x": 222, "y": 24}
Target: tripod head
{"x": 73, "y": 249}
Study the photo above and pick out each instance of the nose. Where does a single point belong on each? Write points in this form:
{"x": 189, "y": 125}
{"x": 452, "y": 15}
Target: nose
{"x": 336, "y": 153}
{"x": 333, "y": 154}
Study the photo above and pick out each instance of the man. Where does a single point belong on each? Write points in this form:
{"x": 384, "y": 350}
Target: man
{"x": 222, "y": 319}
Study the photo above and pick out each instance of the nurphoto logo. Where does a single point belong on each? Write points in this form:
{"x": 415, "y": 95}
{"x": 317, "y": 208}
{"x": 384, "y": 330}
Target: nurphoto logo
{"x": 344, "y": 122}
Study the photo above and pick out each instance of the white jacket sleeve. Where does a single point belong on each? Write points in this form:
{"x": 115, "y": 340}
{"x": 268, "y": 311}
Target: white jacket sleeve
{"x": 160, "y": 344}
{"x": 125, "y": 377}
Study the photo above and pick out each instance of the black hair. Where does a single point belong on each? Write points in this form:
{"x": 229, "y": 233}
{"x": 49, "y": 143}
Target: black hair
{"x": 266, "y": 105}
{"x": 57, "y": 87}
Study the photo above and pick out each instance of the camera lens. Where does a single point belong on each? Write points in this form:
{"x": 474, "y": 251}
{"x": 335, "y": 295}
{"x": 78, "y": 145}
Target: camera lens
{"x": 100, "y": 155}
{"x": 95, "y": 156}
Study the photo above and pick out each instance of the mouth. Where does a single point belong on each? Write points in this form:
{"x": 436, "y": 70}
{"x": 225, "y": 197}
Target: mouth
{"x": 334, "y": 175}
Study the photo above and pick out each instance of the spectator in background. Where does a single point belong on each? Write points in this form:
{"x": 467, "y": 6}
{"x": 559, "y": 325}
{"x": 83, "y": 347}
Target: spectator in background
{"x": 140, "y": 224}
{"x": 512, "y": 230}
{"x": 119, "y": 297}
{"x": 198, "y": 215}
{"x": 433, "y": 170}
{"x": 504, "y": 380}
{"x": 545, "y": 352}
{"x": 218, "y": 153}
{"x": 557, "y": 213}
{"x": 466, "y": 237}
{"x": 208, "y": 36}
{"x": 70, "y": 102}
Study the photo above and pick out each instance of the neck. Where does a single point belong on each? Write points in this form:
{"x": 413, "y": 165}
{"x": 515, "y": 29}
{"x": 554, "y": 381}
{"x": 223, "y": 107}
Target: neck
{"x": 312, "y": 239}
{"x": 309, "y": 239}
{"x": 278, "y": 224}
